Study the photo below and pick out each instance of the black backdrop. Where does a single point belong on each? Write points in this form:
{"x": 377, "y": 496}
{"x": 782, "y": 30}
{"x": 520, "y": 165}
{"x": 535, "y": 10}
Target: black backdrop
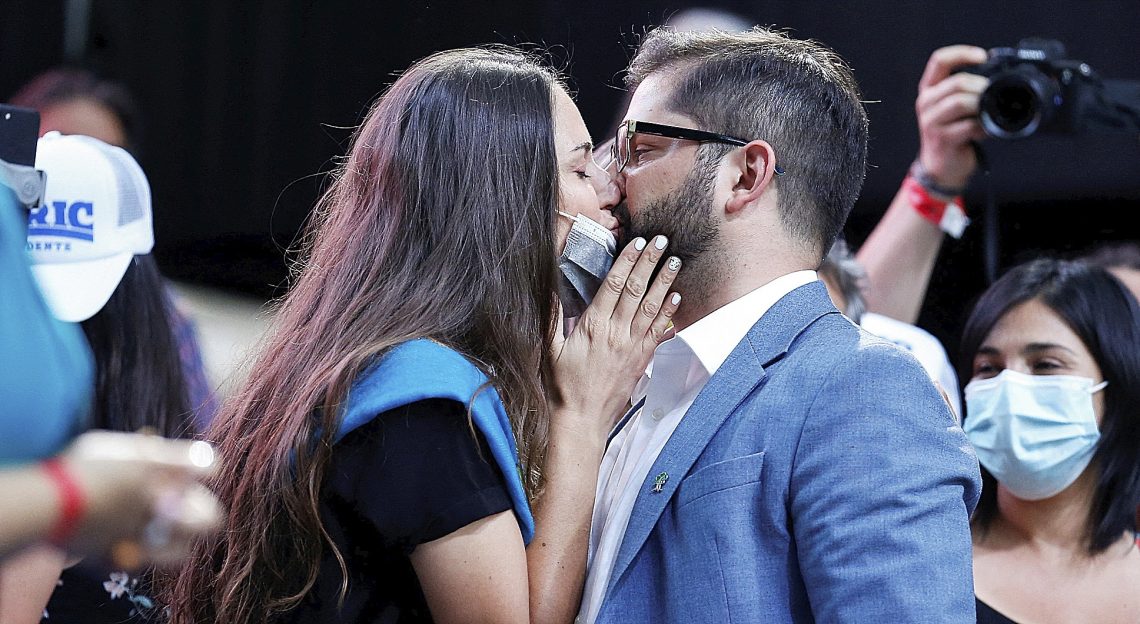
{"x": 246, "y": 102}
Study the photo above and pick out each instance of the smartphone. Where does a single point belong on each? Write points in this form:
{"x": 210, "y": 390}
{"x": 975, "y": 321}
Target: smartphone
{"x": 19, "y": 135}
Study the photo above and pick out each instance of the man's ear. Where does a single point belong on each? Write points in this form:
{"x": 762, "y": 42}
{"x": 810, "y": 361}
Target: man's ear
{"x": 756, "y": 167}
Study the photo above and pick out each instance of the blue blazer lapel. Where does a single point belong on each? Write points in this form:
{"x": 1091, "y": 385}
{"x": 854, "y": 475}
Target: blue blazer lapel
{"x": 767, "y": 341}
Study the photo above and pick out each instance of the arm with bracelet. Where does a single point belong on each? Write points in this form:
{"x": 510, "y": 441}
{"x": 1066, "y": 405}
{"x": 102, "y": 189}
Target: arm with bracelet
{"x": 106, "y": 494}
{"x": 44, "y": 505}
{"x": 900, "y": 253}
{"x": 38, "y": 503}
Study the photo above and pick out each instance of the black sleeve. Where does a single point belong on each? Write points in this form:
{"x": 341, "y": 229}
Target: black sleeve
{"x": 417, "y": 473}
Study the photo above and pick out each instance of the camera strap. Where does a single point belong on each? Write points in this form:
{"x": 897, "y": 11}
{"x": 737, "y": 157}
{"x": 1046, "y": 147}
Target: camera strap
{"x": 991, "y": 224}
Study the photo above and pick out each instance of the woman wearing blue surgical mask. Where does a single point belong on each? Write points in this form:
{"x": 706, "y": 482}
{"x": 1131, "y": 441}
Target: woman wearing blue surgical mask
{"x": 1052, "y": 355}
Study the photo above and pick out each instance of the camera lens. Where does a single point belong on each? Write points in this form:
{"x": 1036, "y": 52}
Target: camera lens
{"x": 1017, "y": 103}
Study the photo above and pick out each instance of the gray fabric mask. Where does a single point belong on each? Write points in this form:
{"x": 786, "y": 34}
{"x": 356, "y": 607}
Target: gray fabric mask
{"x": 584, "y": 263}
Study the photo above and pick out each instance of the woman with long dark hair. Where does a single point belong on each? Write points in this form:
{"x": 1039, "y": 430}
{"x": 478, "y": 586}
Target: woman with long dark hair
{"x": 369, "y": 460}
{"x": 1052, "y": 352}
{"x": 139, "y": 378}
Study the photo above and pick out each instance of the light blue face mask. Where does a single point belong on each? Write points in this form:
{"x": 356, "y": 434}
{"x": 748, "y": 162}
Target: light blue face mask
{"x": 1035, "y": 433}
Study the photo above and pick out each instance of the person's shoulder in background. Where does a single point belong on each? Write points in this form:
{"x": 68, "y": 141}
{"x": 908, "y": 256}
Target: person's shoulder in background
{"x": 47, "y": 369}
{"x": 923, "y": 345}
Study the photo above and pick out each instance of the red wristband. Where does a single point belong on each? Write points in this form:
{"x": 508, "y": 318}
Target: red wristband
{"x": 72, "y": 504}
{"x": 949, "y": 215}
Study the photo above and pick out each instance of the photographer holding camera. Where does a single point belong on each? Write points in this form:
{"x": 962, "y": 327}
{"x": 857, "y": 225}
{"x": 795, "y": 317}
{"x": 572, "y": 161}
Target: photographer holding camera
{"x": 967, "y": 94}
{"x": 1037, "y": 558}
{"x": 899, "y": 254}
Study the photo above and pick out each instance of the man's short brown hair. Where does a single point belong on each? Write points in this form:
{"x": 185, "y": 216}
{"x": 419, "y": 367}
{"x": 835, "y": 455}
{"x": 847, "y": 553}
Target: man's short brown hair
{"x": 796, "y": 94}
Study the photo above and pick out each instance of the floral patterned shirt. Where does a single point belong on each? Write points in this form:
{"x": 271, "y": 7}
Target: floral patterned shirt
{"x": 89, "y": 594}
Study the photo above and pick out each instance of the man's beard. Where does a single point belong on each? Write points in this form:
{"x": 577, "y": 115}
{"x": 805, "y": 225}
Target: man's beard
{"x": 685, "y": 216}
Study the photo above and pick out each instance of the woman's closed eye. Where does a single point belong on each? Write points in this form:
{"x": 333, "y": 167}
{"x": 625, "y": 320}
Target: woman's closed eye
{"x": 1046, "y": 366}
{"x": 985, "y": 370}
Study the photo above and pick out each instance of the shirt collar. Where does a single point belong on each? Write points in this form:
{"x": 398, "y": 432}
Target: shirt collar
{"x": 713, "y": 337}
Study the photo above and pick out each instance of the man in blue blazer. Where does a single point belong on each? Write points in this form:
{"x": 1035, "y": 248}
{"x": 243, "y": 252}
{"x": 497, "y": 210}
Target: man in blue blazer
{"x": 780, "y": 464}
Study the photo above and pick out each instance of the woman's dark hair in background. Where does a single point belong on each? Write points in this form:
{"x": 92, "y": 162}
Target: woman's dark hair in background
{"x": 1107, "y": 319}
{"x": 439, "y": 224}
{"x": 68, "y": 84}
{"x": 1123, "y": 254}
{"x": 140, "y": 381}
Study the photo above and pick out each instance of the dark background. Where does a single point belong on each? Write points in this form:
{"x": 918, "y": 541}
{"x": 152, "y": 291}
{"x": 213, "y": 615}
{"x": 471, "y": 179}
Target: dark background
{"x": 246, "y": 103}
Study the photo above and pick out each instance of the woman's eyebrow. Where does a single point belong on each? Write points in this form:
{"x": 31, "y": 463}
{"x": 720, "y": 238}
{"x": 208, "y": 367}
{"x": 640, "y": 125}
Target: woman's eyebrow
{"x": 1037, "y": 347}
{"x": 588, "y": 146}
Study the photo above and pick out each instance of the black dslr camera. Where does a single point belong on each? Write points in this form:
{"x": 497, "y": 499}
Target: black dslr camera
{"x": 1034, "y": 88}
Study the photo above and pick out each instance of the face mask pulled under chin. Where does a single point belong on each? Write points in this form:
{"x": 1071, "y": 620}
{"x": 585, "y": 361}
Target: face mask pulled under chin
{"x": 585, "y": 260}
{"x": 1035, "y": 433}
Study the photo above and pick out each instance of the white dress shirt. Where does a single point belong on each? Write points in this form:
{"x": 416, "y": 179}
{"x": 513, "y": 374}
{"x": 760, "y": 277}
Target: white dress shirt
{"x": 679, "y": 370}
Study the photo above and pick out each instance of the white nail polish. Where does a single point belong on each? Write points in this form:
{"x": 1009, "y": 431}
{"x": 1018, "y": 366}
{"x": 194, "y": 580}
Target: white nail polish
{"x": 639, "y": 243}
{"x": 660, "y": 242}
{"x": 674, "y": 263}
{"x": 676, "y": 298}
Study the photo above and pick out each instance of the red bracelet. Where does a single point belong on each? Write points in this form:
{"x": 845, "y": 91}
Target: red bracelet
{"x": 948, "y": 215}
{"x": 72, "y": 504}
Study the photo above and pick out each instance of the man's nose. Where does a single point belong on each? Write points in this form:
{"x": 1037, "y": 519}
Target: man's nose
{"x": 609, "y": 193}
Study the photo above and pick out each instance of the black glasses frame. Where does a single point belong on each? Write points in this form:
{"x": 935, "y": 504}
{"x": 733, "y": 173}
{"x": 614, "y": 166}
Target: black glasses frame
{"x": 631, "y": 127}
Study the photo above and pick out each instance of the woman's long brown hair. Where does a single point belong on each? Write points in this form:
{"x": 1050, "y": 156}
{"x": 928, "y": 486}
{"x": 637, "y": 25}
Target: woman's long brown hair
{"x": 439, "y": 224}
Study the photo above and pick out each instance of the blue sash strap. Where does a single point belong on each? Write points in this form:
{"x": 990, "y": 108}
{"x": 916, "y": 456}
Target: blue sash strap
{"x": 422, "y": 369}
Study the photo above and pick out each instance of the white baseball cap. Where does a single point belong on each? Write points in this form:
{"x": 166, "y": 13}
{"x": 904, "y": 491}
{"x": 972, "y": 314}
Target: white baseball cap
{"x": 95, "y": 219}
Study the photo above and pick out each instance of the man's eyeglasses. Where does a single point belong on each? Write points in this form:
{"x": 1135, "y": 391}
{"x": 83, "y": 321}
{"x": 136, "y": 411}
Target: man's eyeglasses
{"x": 620, "y": 150}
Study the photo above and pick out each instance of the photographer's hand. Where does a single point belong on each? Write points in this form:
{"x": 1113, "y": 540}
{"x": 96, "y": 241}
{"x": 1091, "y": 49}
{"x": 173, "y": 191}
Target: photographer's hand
{"x": 900, "y": 252}
{"x": 947, "y": 109}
